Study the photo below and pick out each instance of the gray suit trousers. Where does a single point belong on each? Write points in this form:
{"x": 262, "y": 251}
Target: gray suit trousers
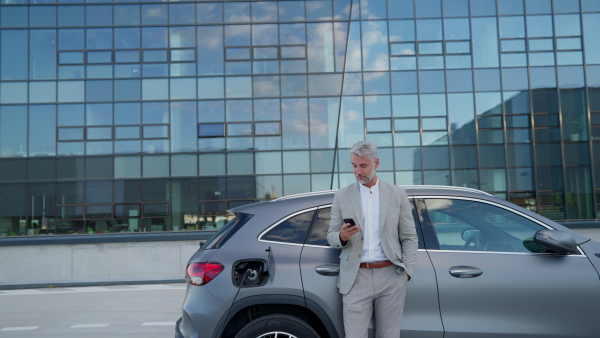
{"x": 381, "y": 290}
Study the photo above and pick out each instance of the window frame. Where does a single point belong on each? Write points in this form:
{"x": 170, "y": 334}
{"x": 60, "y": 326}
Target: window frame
{"x": 431, "y": 239}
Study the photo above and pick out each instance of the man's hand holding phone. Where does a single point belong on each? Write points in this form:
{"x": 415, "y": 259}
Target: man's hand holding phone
{"x": 348, "y": 229}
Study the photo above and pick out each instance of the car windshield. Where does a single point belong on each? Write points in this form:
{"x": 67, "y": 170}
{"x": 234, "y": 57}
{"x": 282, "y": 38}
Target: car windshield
{"x": 221, "y": 236}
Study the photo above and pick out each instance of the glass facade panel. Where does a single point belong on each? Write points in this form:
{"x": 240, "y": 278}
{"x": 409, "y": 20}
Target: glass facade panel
{"x": 262, "y": 99}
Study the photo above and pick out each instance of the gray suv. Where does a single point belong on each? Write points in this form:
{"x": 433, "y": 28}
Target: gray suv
{"x": 486, "y": 268}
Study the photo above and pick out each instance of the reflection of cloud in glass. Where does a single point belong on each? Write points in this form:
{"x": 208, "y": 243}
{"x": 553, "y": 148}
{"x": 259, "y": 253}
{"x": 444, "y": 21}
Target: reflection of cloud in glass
{"x": 264, "y": 34}
{"x": 320, "y": 47}
{"x": 407, "y": 51}
{"x": 375, "y": 46}
{"x": 155, "y": 12}
{"x": 267, "y": 11}
{"x": 352, "y": 115}
{"x": 438, "y": 204}
{"x": 373, "y": 76}
{"x": 266, "y": 87}
{"x": 295, "y": 117}
{"x": 211, "y": 43}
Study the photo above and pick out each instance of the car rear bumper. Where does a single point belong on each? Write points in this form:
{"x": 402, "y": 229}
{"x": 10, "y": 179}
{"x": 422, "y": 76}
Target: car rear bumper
{"x": 177, "y": 332}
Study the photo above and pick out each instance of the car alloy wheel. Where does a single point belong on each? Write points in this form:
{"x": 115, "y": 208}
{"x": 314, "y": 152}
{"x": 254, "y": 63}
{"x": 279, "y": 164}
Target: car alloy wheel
{"x": 277, "y": 326}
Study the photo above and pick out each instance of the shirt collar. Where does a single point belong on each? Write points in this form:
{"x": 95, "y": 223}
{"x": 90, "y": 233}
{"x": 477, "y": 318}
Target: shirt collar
{"x": 374, "y": 188}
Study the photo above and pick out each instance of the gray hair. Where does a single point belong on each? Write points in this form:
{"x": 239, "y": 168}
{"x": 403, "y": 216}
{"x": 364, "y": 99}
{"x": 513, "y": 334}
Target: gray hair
{"x": 364, "y": 149}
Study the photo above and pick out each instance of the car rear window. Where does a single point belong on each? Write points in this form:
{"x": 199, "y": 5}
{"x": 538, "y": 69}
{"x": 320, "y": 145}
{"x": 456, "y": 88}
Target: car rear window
{"x": 225, "y": 233}
{"x": 291, "y": 230}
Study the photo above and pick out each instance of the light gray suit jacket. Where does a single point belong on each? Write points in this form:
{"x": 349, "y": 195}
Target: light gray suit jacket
{"x": 397, "y": 230}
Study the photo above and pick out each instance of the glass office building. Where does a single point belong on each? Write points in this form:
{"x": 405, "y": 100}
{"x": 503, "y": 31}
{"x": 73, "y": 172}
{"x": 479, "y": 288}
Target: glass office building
{"x": 125, "y": 115}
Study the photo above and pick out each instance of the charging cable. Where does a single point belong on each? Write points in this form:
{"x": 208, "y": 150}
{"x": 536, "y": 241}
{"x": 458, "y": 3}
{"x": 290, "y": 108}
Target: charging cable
{"x": 251, "y": 275}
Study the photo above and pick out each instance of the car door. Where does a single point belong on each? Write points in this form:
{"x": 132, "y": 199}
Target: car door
{"x": 319, "y": 265}
{"x": 494, "y": 282}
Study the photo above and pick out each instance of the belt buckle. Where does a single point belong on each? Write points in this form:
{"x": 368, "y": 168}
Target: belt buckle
{"x": 368, "y": 267}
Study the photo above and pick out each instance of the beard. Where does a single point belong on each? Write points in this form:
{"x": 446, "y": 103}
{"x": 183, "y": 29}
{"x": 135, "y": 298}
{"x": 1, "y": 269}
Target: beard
{"x": 366, "y": 179}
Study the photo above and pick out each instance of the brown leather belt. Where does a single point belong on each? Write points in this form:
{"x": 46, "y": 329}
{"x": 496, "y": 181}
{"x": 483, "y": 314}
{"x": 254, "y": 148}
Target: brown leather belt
{"x": 375, "y": 265}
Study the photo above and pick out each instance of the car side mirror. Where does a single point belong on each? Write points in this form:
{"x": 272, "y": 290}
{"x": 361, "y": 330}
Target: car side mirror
{"x": 470, "y": 235}
{"x": 201, "y": 243}
{"x": 560, "y": 242}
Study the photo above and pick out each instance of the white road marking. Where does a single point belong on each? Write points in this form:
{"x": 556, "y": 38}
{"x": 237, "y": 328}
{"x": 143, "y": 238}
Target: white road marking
{"x": 22, "y": 328}
{"x": 158, "y": 324}
{"x": 88, "y": 290}
{"x": 152, "y": 286}
{"x": 24, "y": 292}
{"x": 87, "y": 326}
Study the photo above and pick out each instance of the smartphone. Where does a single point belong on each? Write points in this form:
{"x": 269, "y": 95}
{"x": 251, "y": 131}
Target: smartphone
{"x": 349, "y": 220}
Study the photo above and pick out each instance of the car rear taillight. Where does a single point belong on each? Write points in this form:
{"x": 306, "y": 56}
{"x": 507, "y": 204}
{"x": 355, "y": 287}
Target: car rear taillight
{"x": 203, "y": 272}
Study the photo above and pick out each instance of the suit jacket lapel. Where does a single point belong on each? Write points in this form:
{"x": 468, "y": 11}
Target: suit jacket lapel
{"x": 356, "y": 204}
{"x": 384, "y": 196}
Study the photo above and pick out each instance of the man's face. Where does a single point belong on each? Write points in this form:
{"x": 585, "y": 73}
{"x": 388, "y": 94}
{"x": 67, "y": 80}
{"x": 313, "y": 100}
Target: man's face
{"x": 364, "y": 168}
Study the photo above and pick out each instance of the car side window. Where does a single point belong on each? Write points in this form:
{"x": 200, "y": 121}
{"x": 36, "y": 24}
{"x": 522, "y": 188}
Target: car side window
{"x": 291, "y": 230}
{"x": 477, "y": 226}
{"x": 318, "y": 233}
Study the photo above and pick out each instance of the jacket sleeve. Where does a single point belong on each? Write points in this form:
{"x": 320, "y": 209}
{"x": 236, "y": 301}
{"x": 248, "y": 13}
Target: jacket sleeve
{"x": 407, "y": 233}
{"x": 333, "y": 233}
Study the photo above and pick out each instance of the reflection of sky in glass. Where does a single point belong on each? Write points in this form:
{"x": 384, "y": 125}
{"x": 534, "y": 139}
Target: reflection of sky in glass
{"x": 405, "y": 105}
{"x": 375, "y": 45}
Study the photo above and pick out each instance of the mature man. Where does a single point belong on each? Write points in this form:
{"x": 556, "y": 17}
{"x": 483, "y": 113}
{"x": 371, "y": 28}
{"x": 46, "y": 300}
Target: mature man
{"x": 378, "y": 253}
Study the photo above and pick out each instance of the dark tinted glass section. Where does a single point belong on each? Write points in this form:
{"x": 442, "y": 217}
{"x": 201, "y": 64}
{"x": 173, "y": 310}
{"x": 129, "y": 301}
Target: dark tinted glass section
{"x": 492, "y": 156}
{"x": 435, "y": 158}
{"x": 99, "y": 167}
{"x": 127, "y": 210}
{"x": 552, "y": 204}
{"x": 42, "y": 207}
{"x": 548, "y": 154}
{"x": 318, "y": 233}
{"x": 12, "y": 209}
{"x": 98, "y": 192}
{"x": 70, "y": 168}
{"x": 550, "y": 178}
{"x": 464, "y": 157}
{"x": 69, "y": 193}
{"x": 156, "y": 209}
{"x": 127, "y": 191}
{"x": 42, "y": 169}
{"x": 292, "y": 230}
{"x": 577, "y": 154}
{"x": 211, "y": 130}
{"x": 516, "y": 103}
{"x": 241, "y": 187}
{"x": 579, "y": 192}
{"x": 519, "y": 155}
{"x": 98, "y": 211}
{"x": 546, "y": 120}
{"x": 155, "y": 191}
{"x": 12, "y": 170}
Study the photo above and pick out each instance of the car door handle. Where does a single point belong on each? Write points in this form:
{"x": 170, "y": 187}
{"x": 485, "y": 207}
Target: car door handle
{"x": 328, "y": 269}
{"x": 462, "y": 271}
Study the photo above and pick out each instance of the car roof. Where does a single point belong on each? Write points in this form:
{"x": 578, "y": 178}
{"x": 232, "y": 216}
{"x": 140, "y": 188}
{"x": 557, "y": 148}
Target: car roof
{"x": 310, "y": 199}
{"x": 289, "y": 204}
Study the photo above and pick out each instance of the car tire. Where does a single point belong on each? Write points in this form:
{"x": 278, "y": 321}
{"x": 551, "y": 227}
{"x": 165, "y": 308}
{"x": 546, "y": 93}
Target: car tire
{"x": 277, "y": 325}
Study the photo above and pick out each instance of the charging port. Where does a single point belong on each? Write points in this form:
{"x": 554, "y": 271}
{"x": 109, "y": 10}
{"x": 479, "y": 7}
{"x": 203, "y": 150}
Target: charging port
{"x": 255, "y": 270}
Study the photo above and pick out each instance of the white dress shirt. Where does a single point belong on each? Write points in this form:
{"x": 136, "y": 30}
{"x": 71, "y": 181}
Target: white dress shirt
{"x": 372, "y": 250}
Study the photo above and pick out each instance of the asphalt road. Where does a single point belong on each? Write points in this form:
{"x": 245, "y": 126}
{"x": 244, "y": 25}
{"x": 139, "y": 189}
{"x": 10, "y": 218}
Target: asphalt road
{"x": 148, "y": 311}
